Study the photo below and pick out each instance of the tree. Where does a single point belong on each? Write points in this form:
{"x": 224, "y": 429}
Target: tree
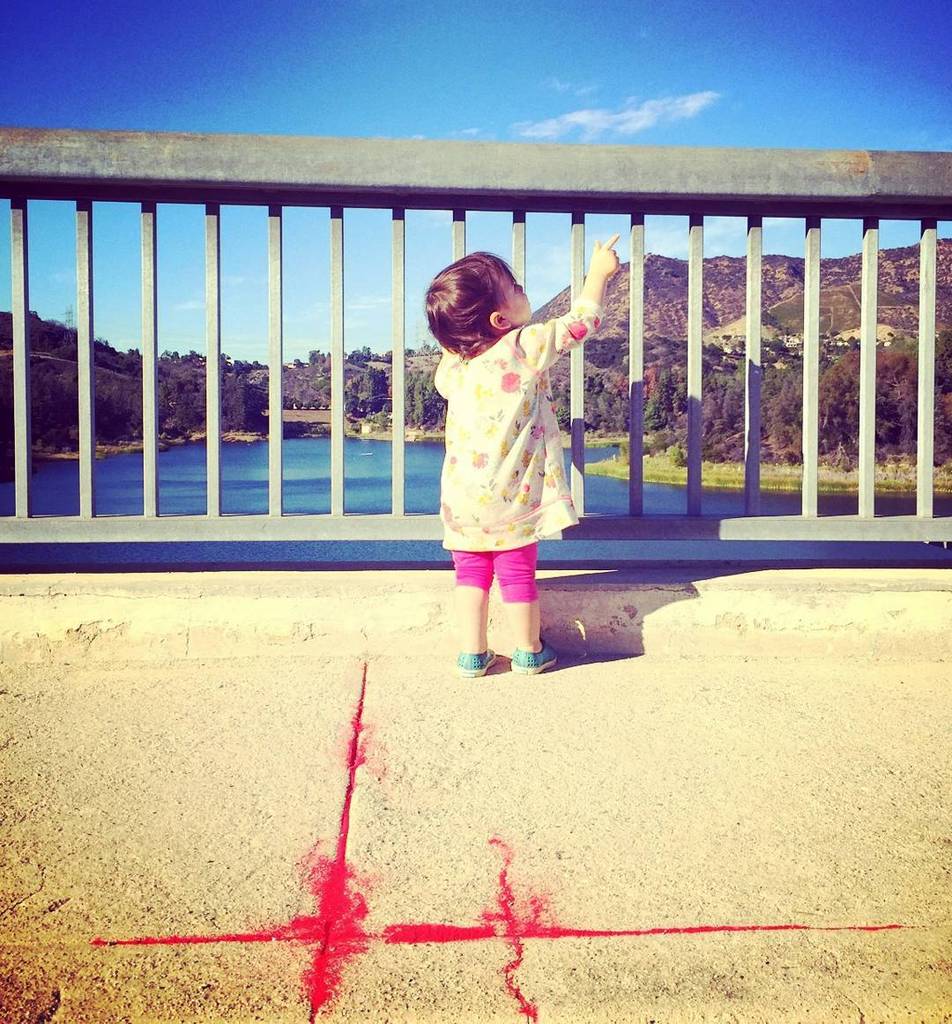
{"x": 782, "y": 397}
{"x": 943, "y": 428}
{"x": 838, "y": 407}
{"x": 943, "y": 361}
{"x": 243, "y": 405}
{"x": 434, "y": 406}
{"x": 659, "y": 409}
{"x": 374, "y": 390}
{"x": 896, "y": 401}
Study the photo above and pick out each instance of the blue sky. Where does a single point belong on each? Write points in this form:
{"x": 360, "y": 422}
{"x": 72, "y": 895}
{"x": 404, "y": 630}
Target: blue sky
{"x": 798, "y": 74}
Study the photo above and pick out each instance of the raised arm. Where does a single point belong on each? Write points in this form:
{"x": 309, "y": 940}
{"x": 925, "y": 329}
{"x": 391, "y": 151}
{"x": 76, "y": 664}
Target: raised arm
{"x": 603, "y": 264}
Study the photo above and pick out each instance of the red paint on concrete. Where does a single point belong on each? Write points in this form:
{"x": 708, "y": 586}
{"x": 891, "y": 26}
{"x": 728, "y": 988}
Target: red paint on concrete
{"x": 310, "y": 929}
{"x": 342, "y": 907}
{"x": 338, "y": 927}
{"x": 417, "y": 933}
{"x": 513, "y": 929}
{"x": 558, "y": 932}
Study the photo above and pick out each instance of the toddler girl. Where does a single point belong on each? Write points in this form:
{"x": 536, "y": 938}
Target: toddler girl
{"x": 503, "y": 485}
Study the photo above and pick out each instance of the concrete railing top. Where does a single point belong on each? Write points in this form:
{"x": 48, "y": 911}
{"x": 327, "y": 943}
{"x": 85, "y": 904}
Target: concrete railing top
{"x": 437, "y": 174}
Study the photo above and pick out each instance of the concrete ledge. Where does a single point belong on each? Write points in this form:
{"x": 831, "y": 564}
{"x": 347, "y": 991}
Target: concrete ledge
{"x": 880, "y": 614}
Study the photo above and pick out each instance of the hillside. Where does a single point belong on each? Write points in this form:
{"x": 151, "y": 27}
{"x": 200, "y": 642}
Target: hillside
{"x": 724, "y": 295}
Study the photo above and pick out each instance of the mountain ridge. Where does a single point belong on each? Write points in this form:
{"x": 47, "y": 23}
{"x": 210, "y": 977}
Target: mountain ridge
{"x": 724, "y": 296}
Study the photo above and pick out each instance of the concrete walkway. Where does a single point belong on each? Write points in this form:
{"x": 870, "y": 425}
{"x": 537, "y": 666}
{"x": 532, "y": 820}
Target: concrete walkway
{"x": 634, "y": 837}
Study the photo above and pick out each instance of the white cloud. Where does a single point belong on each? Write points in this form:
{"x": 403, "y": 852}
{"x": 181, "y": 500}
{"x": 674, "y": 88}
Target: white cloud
{"x": 633, "y": 117}
{"x": 472, "y": 133}
{"x": 189, "y": 305}
{"x": 576, "y": 90}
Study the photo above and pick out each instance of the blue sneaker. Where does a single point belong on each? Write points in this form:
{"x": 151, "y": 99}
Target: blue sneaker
{"x": 528, "y": 664}
{"x": 472, "y": 665}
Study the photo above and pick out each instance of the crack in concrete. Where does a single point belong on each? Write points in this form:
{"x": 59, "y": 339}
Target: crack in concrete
{"x": 340, "y": 910}
{"x": 51, "y": 1010}
{"x": 29, "y": 895}
{"x": 507, "y": 915}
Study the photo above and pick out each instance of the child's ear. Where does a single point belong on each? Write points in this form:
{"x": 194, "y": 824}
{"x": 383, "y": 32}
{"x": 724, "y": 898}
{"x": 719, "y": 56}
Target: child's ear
{"x": 498, "y": 321}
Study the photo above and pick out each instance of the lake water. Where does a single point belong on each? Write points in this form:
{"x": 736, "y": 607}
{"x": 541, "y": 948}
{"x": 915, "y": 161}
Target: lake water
{"x": 367, "y": 470}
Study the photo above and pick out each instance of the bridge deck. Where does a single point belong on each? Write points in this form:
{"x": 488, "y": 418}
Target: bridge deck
{"x": 687, "y": 833}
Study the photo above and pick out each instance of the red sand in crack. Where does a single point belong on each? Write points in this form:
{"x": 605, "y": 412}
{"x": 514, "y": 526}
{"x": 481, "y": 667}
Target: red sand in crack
{"x": 416, "y": 933}
{"x": 514, "y": 928}
{"x": 342, "y": 906}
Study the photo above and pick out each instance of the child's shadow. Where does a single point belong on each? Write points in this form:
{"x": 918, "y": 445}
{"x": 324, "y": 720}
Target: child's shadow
{"x": 598, "y": 616}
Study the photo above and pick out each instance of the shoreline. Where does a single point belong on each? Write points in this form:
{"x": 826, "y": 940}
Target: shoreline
{"x": 893, "y": 476}
{"x": 230, "y": 437}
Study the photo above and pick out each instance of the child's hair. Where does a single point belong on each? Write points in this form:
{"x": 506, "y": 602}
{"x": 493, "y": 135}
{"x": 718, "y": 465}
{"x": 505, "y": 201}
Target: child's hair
{"x": 460, "y": 299}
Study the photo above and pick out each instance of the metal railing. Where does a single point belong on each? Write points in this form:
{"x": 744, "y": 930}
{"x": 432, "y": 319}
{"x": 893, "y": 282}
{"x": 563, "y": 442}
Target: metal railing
{"x": 279, "y": 171}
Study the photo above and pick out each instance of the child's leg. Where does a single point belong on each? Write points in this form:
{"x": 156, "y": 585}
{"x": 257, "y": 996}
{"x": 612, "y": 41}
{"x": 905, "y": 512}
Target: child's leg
{"x": 472, "y": 616}
{"x": 516, "y": 571}
{"x": 524, "y": 620}
{"x": 474, "y": 577}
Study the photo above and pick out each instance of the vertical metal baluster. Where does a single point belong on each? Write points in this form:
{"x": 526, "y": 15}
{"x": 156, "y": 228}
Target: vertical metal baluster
{"x": 577, "y": 370}
{"x": 150, "y": 377}
{"x": 459, "y": 234}
{"x": 867, "y": 367}
{"x": 753, "y": 368}
{"x": 22, "y": 434}
{"x": 811, "y": 364}
{"x": 85, "y": 358}
{"x": 398, "y": 367}
{"x": 213, "y": 358}
{"x": 337, "y": 360}
{"x": 275, "y": 367}
{"x": 636, "y": 366}
{"x": 695, "y": 262}
{"x": 519, "y": 246}
{"x": 925, "y": 448}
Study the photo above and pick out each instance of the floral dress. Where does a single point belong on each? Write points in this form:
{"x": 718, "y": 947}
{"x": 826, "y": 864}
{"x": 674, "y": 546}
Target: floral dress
{"x": 503, "y": 482}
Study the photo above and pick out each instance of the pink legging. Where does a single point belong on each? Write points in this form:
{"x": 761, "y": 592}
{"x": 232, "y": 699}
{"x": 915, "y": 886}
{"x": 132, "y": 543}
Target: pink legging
{"x": 515, "y": 570}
